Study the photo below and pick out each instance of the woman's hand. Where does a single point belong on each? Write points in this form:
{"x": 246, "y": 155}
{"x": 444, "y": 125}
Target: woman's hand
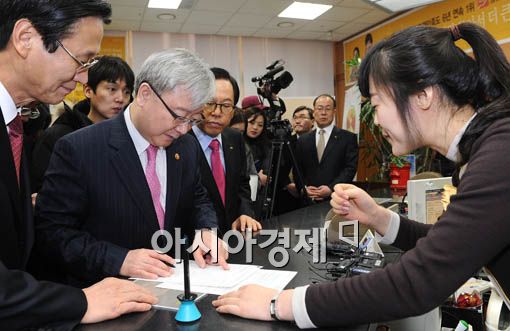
{"x": 250, "y": 301}
{"x": 355, "y": 204}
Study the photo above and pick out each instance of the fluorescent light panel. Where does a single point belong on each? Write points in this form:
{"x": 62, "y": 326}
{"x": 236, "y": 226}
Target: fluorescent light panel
{"x": 164, "y": 4}
{"x": 304, "y": 10}
{"x": 399, "y": 5}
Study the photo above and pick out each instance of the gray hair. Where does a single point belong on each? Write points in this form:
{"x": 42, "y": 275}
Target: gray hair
{"x": 167, "y": 69}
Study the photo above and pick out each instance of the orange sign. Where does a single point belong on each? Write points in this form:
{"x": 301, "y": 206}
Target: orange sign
{"x": 110, "y": 45}
{"x": 493, "y": 15}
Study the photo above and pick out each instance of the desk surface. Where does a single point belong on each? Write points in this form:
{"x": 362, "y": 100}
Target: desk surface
{"x": 305, "y": 218}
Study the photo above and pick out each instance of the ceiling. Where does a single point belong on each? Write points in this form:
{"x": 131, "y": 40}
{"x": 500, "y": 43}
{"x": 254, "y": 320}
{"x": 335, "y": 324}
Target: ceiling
{"x": 257, "y": 18}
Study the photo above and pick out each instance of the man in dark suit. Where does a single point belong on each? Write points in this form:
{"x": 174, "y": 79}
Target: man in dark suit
{"x": 328, "y": 155}
{"x": 223, "y": 161}
{"x": 111, "y": 187}
{"x": 35, "y": 66}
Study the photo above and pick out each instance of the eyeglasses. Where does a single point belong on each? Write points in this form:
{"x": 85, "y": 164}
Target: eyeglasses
{"x": 83, "y": 66}
{"x": 180, "y": 120}
{"x": 225, "y": 108}
{"x": 31, "y": 113}
{"x": 303, "y": 117}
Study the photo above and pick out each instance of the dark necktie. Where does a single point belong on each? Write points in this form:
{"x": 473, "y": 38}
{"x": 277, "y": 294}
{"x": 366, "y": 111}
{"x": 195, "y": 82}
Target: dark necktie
{"x": 16, "y": 139}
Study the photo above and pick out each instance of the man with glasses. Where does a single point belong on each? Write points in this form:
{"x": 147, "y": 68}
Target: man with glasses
{"x": 302, "y": 120}
{"x": 223, "y": 161}
{"x": 111, "y": 187}
{"x": 34, "y": 67}
{"x": 108, "y": 91}
{"x": 327, "y": 155}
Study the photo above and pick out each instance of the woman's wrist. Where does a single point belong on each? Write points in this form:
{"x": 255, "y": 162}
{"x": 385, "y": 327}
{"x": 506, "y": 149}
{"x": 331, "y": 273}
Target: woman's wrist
{"x": 283, "y": 306}
{"x": 381, "y": 221}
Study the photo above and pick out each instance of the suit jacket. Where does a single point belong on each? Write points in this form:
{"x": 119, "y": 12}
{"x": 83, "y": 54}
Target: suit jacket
{"x": 25, "y": 302}
{"x": 71, "y": 120}
{"x": 95, "y": 204}
{"x": 339, "y": 161}
{"x": 237, "y": 185}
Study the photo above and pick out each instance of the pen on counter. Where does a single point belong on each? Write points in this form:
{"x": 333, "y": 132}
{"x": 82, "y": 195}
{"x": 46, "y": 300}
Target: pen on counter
{"x": 171, "y": 265}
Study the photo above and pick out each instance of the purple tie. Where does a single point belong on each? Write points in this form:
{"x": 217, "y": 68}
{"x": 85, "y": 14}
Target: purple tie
{"x": 217, "y": 168}
{"x": 154, "y": 185}
{"x": 16, "y": 139}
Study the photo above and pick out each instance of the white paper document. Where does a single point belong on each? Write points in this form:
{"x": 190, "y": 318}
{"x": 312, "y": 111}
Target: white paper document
{"x": 212, "y": 275}
{"x": 276, "y": 279}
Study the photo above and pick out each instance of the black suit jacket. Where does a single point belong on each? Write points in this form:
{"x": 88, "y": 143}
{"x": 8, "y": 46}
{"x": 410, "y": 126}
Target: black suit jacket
{"x": 25, "y": 302}
{"x": 339, "y": 161}
{"x": 95, "y": 204}
{"x": 237, "y": 181}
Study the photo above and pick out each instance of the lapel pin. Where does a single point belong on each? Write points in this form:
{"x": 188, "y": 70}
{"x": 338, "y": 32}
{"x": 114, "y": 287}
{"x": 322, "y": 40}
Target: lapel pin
{"x": 231, "y": 148}
{"x": 177, "y": 156}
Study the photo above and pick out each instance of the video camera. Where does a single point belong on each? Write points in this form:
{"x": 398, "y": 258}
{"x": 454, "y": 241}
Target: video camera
{"x": 268, "y": 87}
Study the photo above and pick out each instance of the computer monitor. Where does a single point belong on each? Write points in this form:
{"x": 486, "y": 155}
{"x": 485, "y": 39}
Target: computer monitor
{"x": 424, "y": 199}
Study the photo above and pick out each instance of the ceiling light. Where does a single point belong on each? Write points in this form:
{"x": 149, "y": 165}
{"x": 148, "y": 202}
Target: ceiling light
{"x": 304, "y": 10}
{"x": 285, "y": 25}
{"x": 399, "y": 5}
{"x": 167, "y": 17}
{"x": 164, "y": 4}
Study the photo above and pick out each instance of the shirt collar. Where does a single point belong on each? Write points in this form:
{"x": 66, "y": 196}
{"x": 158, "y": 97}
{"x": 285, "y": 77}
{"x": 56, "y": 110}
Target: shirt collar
{"x": 140, "y": 142}
{"x": 7, "y": 104}
{"x": 204, "y": 139}
{"x": 327, "y": 129}
{"x": 453, "y": 150}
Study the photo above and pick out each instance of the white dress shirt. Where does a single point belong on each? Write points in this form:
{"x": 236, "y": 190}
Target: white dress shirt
{"x": 141, "y": 145}
{"x": 8, "y": 106}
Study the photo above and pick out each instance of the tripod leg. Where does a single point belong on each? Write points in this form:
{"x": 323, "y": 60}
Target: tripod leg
{"x": 298, "y": 178}
{"x": 272, "y": 179}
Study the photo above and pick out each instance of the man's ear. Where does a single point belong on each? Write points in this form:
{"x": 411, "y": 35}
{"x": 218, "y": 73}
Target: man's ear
{"x": 87, "y": 90}
{"x": 424, "y": 98}
{"x": 143, "y": 94}
{"x": 23, "y": 37}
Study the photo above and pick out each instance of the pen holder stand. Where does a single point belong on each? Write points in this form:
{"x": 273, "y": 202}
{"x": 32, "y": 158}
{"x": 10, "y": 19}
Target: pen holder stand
{"x": 188, "y": 311}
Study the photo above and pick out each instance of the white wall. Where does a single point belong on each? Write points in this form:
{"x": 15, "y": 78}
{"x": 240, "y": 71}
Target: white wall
{"x": 310, "y": 62}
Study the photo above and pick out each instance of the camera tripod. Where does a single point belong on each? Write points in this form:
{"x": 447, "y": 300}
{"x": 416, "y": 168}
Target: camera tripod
{"x": 280, "y": 143}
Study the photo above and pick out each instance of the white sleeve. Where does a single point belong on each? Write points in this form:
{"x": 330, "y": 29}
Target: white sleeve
{"x": 391, "y": 232}
{"x": 299, "y": 308}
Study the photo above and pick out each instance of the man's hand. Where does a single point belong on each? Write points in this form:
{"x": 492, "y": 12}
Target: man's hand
{"x": 262, "y": 178}
{"x": 243, "y": 222}
{"x": 113, "y": 297}
{"x": 211, "y": 247}
{"x": 147, "y": 263}
{"x": 34, "y": 198}
{"x": 318, "y": 193}
{"x": 323, "y": 192}
{"x": 292, "y": 189}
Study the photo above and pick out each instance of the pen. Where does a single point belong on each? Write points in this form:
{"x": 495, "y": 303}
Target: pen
{"x": 167, "y": 263}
